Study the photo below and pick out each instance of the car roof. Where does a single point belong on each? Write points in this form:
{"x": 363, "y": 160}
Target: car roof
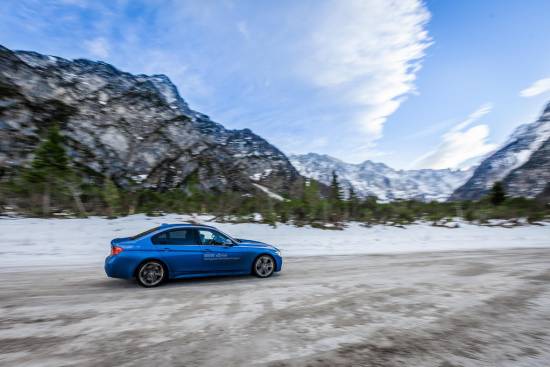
{"x": 170, "y": 225}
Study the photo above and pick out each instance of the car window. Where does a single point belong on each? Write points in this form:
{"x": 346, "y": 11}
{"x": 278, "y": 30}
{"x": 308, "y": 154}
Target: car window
{"x": 208, "y": 237}
{"x": 181, "y": 236}
{"x": 144, "y": 233}
{"x": 161, "y": 237}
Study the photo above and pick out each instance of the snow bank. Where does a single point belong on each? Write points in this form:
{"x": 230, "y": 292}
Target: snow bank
{"x": 27, "y": 241}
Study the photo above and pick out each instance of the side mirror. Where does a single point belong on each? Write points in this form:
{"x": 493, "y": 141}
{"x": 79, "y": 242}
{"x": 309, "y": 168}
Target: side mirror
{"x": 228, "y": 242}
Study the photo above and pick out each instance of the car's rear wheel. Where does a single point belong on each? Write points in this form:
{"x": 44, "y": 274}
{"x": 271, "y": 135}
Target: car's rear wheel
{"x": 151, "y": 274}
{"x": 264, "y": 266}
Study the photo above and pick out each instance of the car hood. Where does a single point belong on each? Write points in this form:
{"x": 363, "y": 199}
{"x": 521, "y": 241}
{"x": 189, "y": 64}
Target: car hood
{"x": 252, "y": 243}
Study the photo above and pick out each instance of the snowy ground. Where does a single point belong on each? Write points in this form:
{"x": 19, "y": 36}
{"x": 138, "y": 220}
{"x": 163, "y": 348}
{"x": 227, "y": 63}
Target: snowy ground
{"x": 444, "y": 309}
{"x": 471, "y": 296}
{"x": 27, "y": 241}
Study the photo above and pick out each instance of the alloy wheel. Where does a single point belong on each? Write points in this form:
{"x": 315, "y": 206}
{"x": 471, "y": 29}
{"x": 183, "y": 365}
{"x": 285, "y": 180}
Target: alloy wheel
{"x": 151, "y": 274}
{"x": 264, "y": 266}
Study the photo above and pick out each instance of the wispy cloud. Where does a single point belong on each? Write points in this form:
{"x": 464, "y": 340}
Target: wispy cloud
{"x": 444, "y": 125}
{"x": 242, "y": 27}
{"x": 321, "y": 72}
{"x": 369, "y": 52}
{"x": 98, "y": 47}
{"x": 474, "y": 116}
{"x": 539, "y": 87}
{"x": 163, "y": 62}
{"x": 460, "y": 144}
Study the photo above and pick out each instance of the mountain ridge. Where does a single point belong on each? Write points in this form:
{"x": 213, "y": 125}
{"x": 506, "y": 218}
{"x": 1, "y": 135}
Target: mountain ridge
{"x": 139, "y": 131}
{"x": 136, "y": 129}
{"x": 515, "y": 153}
{"x": 378, "y": 179}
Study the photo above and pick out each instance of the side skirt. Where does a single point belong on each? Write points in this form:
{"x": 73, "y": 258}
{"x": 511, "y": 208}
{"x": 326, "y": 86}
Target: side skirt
{"x": 205, "y": 275}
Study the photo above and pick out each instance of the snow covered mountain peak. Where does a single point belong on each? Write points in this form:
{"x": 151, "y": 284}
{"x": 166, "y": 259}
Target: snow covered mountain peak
{"x": 371, "y": 178}
{"x": 526, "y": 142}
{"x": 546, "y": 113}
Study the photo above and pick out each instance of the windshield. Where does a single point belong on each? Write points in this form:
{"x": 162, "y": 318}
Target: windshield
{"x": 144, "y": 233}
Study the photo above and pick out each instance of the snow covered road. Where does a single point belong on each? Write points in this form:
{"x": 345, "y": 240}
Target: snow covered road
{"x": 474, "y": 308}
{"x": 420, "y": 296}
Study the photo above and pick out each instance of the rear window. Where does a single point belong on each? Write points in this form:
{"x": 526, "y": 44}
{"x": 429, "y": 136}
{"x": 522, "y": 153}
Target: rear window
{"x": 144, "y": 233}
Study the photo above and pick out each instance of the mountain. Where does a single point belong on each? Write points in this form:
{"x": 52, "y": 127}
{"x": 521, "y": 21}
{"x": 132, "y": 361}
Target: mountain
{"x": 531, "y": 178}
{"x": 369, "y": 178}
{"x": 134, "y": 128}
{"x": 544, "y": 196}
{"x": 522, "y": 164}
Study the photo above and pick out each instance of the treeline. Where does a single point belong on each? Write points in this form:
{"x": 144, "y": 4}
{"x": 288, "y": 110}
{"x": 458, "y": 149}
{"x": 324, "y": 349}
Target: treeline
{"x": 54, "y": 185}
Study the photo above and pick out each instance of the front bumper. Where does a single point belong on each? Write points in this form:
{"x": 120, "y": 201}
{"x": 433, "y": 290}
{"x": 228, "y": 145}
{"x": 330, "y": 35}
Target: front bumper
{"x": 278, "y": 263}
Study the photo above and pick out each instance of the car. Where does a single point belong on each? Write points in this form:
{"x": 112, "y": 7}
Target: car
{"x": 174, "y": 251}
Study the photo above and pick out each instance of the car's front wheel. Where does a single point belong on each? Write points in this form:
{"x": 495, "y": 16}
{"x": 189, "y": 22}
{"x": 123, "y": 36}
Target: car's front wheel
{"x": 151, "y": 274}
{"x": 264, "y": 266}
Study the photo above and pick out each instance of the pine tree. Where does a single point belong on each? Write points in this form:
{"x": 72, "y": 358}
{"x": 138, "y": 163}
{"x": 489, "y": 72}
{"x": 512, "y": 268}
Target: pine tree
{"x": 335, "y": 198}
{"x": 73, "y": 184}
{"x": 497, "y": 195}
{"x": 353, "y": 203}
{"x": 48, "y": 168}
{"x": 268, "y": 213}
{"x": 335, "y": 191}
{"x": 111, "y": 196}
{"x": 311, "y": 199}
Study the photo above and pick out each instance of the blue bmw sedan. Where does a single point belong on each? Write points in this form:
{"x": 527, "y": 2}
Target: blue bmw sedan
{"x": 173, "y": 251}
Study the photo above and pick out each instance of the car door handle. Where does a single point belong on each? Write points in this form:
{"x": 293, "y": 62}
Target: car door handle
{"x": 206, "y": 250}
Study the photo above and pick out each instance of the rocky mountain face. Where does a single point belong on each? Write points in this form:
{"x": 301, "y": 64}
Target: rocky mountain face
{"x": 544, "y": 196}
{"x": 134, "y": 128}
{"x": 369, "y": 178}
{"x": 531, "y": 178}
{"x": 522, "y": 164}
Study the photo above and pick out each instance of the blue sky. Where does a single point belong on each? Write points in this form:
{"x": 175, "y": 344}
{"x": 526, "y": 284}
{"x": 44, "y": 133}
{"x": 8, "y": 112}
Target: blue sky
{"x": 413, "y": 84}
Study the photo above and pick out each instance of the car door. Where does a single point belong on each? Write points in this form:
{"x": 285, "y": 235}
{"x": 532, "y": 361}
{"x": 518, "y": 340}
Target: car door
{"x": 180, "y": 250}
{"x": 221, "y": 254}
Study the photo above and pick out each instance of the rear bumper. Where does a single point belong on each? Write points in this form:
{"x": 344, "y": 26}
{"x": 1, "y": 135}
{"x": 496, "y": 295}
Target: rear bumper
{"x": 119, "y": 267}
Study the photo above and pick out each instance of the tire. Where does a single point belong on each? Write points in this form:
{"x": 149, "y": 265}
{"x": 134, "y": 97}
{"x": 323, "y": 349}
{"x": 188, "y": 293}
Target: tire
{"x": 151, "y": 273}
{"x": 264, "y": 266}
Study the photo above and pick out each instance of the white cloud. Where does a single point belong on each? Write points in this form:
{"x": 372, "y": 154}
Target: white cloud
{"x": 80, "y": 3}
{"x": 539, "y": 87}
{"x": 157, "y": 61}
{"x": 242, "y": 27}
{"x": 474, "y": 116}
{"x": 98, "y": 47}
{"x": 341, "y": 68}
{"x": 369, "y": 51}
{"x": 460, "y": 144}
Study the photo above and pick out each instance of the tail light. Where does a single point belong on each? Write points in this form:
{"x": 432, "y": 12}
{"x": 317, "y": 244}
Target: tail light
{"x": 115, "y": 250}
